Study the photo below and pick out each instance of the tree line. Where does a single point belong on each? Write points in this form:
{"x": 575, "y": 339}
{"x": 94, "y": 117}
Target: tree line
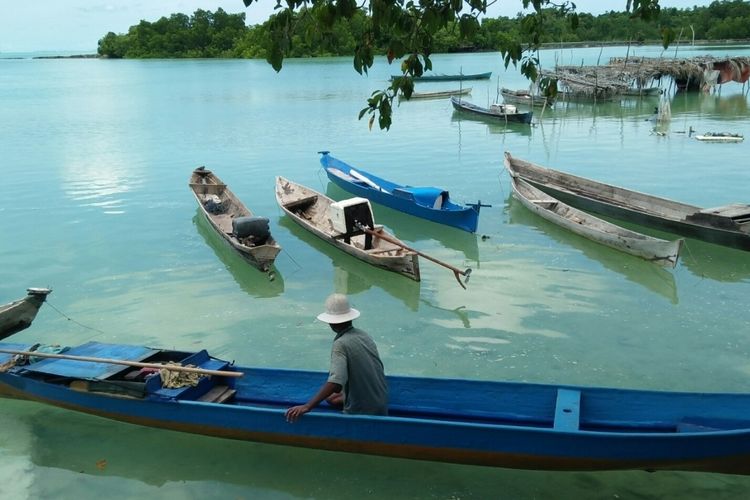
{"x": 208, "y": 34}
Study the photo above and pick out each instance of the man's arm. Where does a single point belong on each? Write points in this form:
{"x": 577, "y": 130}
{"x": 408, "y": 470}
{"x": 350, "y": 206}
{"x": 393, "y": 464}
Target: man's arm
{"x": 293, "y": 413}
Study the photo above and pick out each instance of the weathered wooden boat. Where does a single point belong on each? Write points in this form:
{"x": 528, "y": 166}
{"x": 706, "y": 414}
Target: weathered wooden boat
{"x": 341, "y": 224}
{"x": 525, "y": 98}
{"x": 641, "y": 92}
{"x": 439, "y": 94}
{"x": 447, "y": 78}
{"x": 19, "y": 314}
{"x": 727, "y": 225}
{"x": 246, "y": 233}
{"x": 505, "y": 424}
{"x": 720, "y": 137}
{"x": 656, "y": 250}
{"x": 429, "y": 203}
{"x": 502, "y": 112}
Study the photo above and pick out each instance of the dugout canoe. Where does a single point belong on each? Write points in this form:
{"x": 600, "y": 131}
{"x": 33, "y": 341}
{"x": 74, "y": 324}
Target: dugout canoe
{"x": 656, "y": 250}
{"x": 499, "y": 112}
{"x": 246, "y": 233}
{"x": 439, "y": 94}
{"x": 478, "y": 422}
{"x": 334, "y": 222}
{"x": 525, "y": 98}
{"x": 19, "y": 314}
{"x": 727, "y": 225}
{"x": 429, "y": 203}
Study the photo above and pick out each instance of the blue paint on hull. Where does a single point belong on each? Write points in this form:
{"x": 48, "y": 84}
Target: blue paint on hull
{"x": 418, "y": 202}
{"x": 475, "y": 422}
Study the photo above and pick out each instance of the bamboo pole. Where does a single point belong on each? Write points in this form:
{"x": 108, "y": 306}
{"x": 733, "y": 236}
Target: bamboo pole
{"x": 136, "y": 364}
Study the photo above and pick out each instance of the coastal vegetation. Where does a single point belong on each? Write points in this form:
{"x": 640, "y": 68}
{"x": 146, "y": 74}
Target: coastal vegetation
{"x": 207, "y": 34}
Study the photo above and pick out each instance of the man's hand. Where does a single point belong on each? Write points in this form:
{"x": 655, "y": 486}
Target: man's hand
{"x": 295, "y": 412}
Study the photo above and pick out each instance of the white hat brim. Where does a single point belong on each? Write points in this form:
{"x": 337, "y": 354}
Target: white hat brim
{"x": 335, "y": 319}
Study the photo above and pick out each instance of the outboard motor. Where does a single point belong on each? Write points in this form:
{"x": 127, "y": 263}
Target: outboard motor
{"x": 254, "y": 228}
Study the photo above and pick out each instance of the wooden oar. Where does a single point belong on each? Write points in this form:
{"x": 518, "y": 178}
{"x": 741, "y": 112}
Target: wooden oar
{"x": 136, "y": 364}
{"x": 456, "y": 271}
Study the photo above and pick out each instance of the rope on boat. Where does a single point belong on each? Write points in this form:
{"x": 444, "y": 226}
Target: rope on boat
{"x": 74, "y": 321}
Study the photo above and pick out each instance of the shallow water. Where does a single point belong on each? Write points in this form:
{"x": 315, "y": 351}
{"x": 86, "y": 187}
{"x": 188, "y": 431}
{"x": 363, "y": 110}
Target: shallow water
{"x": 97, "y": 156}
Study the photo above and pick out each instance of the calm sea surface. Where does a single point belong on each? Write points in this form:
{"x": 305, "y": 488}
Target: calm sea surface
{"x": 96, "y": 157}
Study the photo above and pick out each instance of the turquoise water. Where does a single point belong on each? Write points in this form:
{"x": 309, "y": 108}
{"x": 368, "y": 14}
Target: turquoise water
{"x": 96, "y": 157}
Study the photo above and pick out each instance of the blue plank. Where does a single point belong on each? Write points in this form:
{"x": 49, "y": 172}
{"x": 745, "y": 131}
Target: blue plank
{"x": 568, "y": 410}
{"x": 90, "y": 370}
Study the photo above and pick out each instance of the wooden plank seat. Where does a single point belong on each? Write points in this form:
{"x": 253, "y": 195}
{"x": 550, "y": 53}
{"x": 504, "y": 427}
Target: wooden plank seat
{"x": 302, "y": 202}
{"x": 218, "y": 394}
{"x": 568, "y": 410}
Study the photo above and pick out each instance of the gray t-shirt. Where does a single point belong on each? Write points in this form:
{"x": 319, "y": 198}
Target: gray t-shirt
{"x": 356, "y": 366}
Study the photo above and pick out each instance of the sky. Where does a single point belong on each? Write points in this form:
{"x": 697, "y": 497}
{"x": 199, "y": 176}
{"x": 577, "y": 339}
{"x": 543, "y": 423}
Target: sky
{"x": 77, "y": 25}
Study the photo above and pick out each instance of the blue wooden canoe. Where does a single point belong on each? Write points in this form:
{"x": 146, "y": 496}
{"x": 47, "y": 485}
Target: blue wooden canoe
{"x": 505, "y": 424}
{"x": 429, "y": 203}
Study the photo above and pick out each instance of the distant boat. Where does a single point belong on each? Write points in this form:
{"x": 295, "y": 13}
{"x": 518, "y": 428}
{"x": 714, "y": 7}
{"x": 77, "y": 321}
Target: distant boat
{"x": 447, "y": 78}
{"x": 19, "y": 314}
{"x": 247, "y": 234}
{"x": 720, "y": 137}
{"x": 524, "y": 97}
{"x": 727, "y": 225}
{"x": 429, "y": 203}
{"x": 440, "y": 93}
{"x": 656, "y": 250}
{"x": 475, "y": 422}
{"x": 501, "y": 112}
{"x": 338, "y": 223}
{"x": 643, "y": 92}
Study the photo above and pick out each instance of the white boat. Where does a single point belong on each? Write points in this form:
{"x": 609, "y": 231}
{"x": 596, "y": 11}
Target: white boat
{"x": 720, "y": 137}
{"x": 339, "y": 223}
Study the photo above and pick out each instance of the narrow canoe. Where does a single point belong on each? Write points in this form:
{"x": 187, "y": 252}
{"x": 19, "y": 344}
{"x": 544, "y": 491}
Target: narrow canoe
{"x": 479, "y": 422}
{"x": 246, "y": 233}
{"x": 660, "y": 251}
{"x": 313, "y": 211}
{"x": 524, "y": 97}
{"x": 719, "y": 137}
{"x": 19, "y": 314}
{"x": 447, "y": 78}
{"x": 429, "y": 203}
{"x": 440, "y": 93}
{"x": 726, "y": 225}
{"x": 499, "y": 112}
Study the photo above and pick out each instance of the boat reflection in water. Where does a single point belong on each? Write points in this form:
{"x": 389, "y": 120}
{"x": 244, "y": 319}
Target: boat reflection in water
{"x": 409, "y": 228}
{"x": 494, "y": 126}
{"x": 716, "y": 262}
{"x": 647, "y": 274}
{"x": 351, "y": 275}
{"x": 251, "y": 280}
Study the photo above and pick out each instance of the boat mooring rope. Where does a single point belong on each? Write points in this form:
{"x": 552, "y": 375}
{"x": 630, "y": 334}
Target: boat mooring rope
{"x": 72, "y": 320}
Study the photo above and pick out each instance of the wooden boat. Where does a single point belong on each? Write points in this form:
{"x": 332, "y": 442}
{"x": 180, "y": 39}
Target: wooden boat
{"x": 727, "y": 225}
{"x": 429, "y": 203}
{"x": 19, "y": 314}
{"x": 641, "y": 92}
{"x": 524, "y": 97}
{"x": 246, "y": 233}
{"x": 337, "y": 223}
{"x": 660, "y": 251}
{"x": 720, "y": 137}
{"x": 439, "y": 94}
{"x": 502, "y": 112}
{"x": 480, "y": 422}
{"x": 447, "y": 78}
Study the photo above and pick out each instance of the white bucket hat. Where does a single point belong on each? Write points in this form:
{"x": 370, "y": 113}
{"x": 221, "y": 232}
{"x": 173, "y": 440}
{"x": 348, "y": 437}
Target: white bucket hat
{"x": 338, "y": 310}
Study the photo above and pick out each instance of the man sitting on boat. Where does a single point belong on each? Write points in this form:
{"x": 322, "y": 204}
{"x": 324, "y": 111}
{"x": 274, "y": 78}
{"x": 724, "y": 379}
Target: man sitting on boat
{"x": 356, "y": 380}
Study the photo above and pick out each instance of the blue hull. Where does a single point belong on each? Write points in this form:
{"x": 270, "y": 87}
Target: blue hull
{"x": 415, "y": 201}
{"x": 531, "y": 426}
